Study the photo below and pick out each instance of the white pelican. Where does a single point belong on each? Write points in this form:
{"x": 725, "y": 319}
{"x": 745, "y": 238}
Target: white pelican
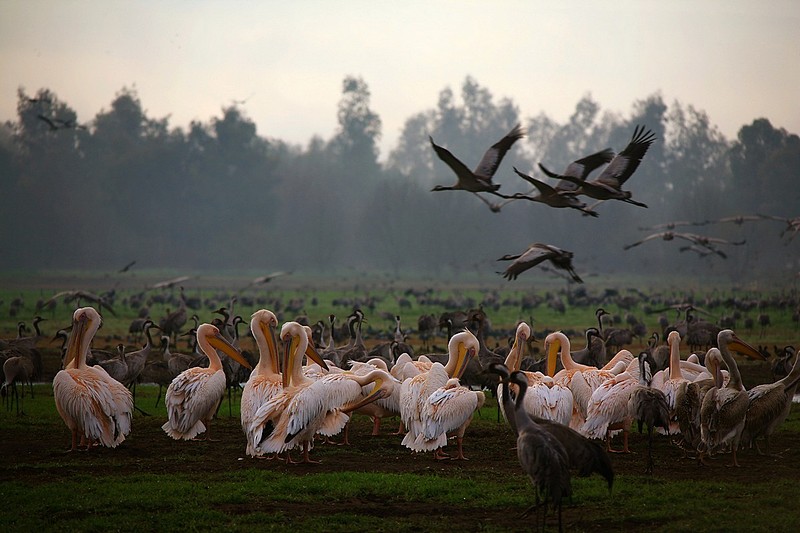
{"x": 89, "y": 401}
{"x": 723, "y": 412}
{"x": 265, "y": 380}
{"x": 448, "y": 408}
{"x": 416, "y": 391}
{"x": 194, "y": 395}
{"x": 385, "y": 407}
{"x": 607, "y": 410}
{"x": 669, "y": 383}
{"x": 582, "y": 380}
{"x": 546, "y": 398}
{"x": 306, "y": 406}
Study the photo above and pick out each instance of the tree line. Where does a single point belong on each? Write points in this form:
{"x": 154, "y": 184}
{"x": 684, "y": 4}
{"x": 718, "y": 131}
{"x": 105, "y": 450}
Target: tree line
{"x": 221, "y": 195}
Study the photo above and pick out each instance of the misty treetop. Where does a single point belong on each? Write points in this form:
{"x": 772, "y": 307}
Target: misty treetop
{"x": 95, "y": 193}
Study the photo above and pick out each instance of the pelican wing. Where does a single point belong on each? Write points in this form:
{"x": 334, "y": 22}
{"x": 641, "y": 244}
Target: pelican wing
{"x": 191, "y": 397}
{"x": 447, "y": 410}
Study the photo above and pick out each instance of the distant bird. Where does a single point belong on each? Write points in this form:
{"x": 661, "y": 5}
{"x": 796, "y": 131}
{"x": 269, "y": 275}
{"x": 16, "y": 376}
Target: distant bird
{"x": 266, "y": 279}
{"x": 608, "y": 185}
{"x": 707, "y": 242}
{"x": 126, "y": 267}
{"x": 538, "y": 253}
{"x": 673, "y": 225}
{"x": 737, "y": 219}
{"x": 792, "y": 225}
{"x": 48, "y": 121}
{"x": 480, "y": 179}
{"x": 703, "y": 251}
{"x": 549, "y": 195}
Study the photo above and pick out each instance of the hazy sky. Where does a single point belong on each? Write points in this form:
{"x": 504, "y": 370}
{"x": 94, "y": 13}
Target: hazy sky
{"x": 735, "y": 59}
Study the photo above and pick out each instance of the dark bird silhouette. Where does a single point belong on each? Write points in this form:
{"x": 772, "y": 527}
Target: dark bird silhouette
{"x": 549, "y": 195}
{"x": 586, "y": 457}
{"x": 538, "y": 253}
{"x": 480, "y": 179}
{"x": 126, "y": 267}
{"x": 608, "y": 185}
{"x": 542, "y": 457}
{"x": 649, "y": 407}
{"x": 673, "y": 225}
{"x": 580, "y": 170}
{"x": 49, "y": 122}
{"x": 700, "y": 240}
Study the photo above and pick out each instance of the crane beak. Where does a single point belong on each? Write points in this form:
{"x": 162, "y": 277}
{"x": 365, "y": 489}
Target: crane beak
{"x": 221, "y": 343}
{"x": 743, "y": 348}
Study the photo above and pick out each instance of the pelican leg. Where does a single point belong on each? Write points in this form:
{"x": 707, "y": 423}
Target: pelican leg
{"x": 306, "y": 458}
{"x": 460, "y": 453}
{"x": 376, "y": 425}
{"x": 401, "y": 430}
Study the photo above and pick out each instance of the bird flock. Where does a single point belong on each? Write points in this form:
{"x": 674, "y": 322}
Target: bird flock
{"x": 565, "y": 416}
{"x": 575, "y": 182}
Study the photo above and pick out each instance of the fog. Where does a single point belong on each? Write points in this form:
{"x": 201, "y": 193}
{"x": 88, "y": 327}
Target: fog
{"x": 99, "y": 193}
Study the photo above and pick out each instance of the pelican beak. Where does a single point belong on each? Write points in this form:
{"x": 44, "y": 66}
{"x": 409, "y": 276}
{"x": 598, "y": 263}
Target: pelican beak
{"x": 552, "y": 357}
{"x": 382, "y": 389}
{"x": 75, "y": 343}
{"x": 269, "y": 335}
{"x": 743, "y": 348}
{"x": 221, "y": 343}
{"x": 464, "y": 355}
{"x": 313, "y": 355}
{"x": 289, "y": 355}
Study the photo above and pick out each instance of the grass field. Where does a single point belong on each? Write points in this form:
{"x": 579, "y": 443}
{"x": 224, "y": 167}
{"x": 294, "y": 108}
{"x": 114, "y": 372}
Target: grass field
{"x": 152, "y": 482}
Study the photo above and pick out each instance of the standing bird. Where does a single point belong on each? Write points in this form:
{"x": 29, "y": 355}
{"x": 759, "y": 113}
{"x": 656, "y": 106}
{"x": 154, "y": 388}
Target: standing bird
{"x": 723, "y": 412}
{"x": 585, "y": 456}
{"x": 265, "y": 380}
{"x": 538, "y": 253}
{"x": 194, "y": 395}
{"x": 480, "y": 179}
{"x": 608, "y": 185}
{"x": 92, "y": 404}
{"x": 542, "y": 457}
{"x": 416, "y": 391}
{"x": 769, "y": 406}
{"x": 449, "y": 408}
{"x": 648, "y": 407}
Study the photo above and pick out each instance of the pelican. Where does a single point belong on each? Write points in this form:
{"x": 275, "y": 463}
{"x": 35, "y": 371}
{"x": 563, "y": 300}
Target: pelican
{"x": 384, "y": 407}
{"x": 448, "y": 408}
{"x": 480, "y": 179}
{"x": 722, "y": 414}
{"x": 89, "y": 401}
{"x": 416, "y": 391}
{"x": 310, "y": 406}
{"x": 538, "y": 253}
{"x": 608, "y": 410}
{"x": 582, "y": 380}
{"x": 194, "y": 395}
{"x": 670, "y": 385}
{"x": 546, "y": 399}
{"x": 608, "y": 185}
{"x": 265, "y": 380}
{"x": 769, "y": 406}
